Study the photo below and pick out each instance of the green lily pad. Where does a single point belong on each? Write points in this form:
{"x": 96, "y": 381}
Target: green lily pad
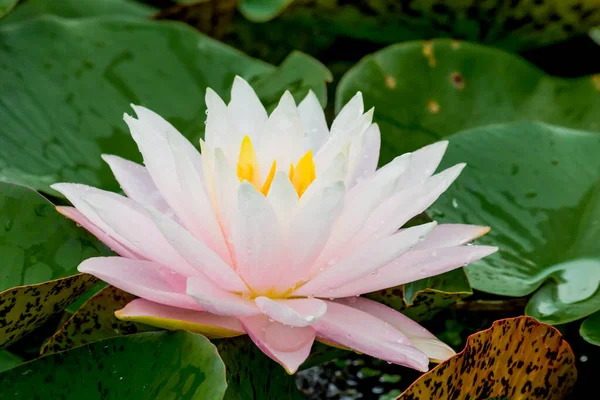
{"x": 151, "y": 365}
{"x": 424, "y": 91}
{"x": 66, "y": 88}
{"x": 40, "y": 251}
{"x": 8, "y": 360}
{"x": 517, "y": 358}
{"x": 251, "y": 375}
{"x": 538, "y": 188}
{"x": 78, "y": 8}
{"x": 95, "y": 320}
{"x": 590, "y": 329}
{"x": 6, "y": 6}
{"x": 262, "y": 10}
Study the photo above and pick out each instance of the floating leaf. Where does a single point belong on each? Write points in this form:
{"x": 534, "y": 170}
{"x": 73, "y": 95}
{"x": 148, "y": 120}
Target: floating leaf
{"x": 6, "y": 6}
{"x": 8, "y": 360}
{"x": 517, "y": 358}
{"x": 78, "y": 8}
{"x": 590, "y": 329}
{"x": 262, "y": 10}
{"x": 65, "y": 90}
{"x": 252, "y": 375}
{"x": 40, "y": 251}
{"x": 144, "y": 366}
{"x": 95, "y": 320}
{"x": 424, "y": 91}
{"x": 537, "y": 186}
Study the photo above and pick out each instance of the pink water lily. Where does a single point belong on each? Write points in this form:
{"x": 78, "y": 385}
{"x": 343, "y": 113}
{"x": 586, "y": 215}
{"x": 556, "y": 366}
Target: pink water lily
{"x": 275, "y": 230}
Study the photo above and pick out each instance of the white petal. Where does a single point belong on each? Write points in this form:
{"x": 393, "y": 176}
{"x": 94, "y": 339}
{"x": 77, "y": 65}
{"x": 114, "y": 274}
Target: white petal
{"x": 369, "y": 156}
{"x": 335, "y": 172}
{"x": 219, "y": 131}
{"x": 257, "y": 240}
{"x": 348, "y": 116}
{"x": 283, "y": 197}
{"x": 245, "y": 110}
{"x": 450, "y": 235}
{"x": 218, "y": 301}
{"x": 366, "y": 259}
{"x": 313, "y": 122}
{"x": 423, "y": 165}
{"x": 226, "y": 187}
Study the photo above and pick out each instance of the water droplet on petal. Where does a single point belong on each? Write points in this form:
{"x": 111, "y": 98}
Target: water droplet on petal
{"x": 423, "y": 271}
{"x": 454, "y": 203}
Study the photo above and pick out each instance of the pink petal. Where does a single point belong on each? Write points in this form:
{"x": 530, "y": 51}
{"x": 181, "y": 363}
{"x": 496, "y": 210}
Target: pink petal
{"x": 367, "y": 334}
{"x": 173, "y": 318}
{"x": 131, "y": 222}
{"x": 288, "y": 346}
{"x": 121, "y": 249}
{"x": 145, "y": 279}
{"x": 198, "y": 255}
{"x": 450, "y": 235}
{"x": 420, "y": 337}
{"x": 366, "y": 259}
{"x": 292, "y": 312}
{"x": 412, "y": 266}
{"x": 136, "y": 182}
{"x": 218, "y": 301}
{"x": 257, "y": 240}
{"x": 313, "y": 122}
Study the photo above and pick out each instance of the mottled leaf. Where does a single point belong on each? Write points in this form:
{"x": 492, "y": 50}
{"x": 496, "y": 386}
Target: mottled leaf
{"x": 144, "y": 366}
{"x": 251, "y": 375}
{"x": 590, "y": 329}
{"x": 39, "y": 252}
{"x": 537, "y": 186}
{"x": 424, "y": 91}
{"x": 64, "y": 92}
{"x": 517, "y": 358}
{"x": 95, "y": 320}
{"x": 78, "y": 9}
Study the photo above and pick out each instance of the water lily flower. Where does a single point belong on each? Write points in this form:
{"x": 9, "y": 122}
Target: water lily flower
{"x": 275, "y": 229}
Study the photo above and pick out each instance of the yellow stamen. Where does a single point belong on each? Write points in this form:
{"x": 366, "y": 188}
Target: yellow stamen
{"x": 267, "y": 185}
{"x": 247, "y": 166}
{"x": 303, "y": 174}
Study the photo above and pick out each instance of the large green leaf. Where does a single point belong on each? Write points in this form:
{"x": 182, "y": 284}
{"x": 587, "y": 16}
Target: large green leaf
{"x": 6, "y": 6}
{"x": 63, "y": 93}
{"x": 78, "y": 8}
{"x": 251, "y": 375}
{"x": 144, "y": 366}
{"x": 39, "y": 252}
{"x": 424, "y": 91}
{"x": 517, "y": 358}
{"x": 590, "y": 329}
{"x": 8, "y": 360}
{"x": 538, "y": 188}
{"x": 262, "y": 10}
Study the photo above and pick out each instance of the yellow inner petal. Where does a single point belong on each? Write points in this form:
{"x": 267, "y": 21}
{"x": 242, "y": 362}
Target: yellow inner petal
{"x": 301, "y": 176}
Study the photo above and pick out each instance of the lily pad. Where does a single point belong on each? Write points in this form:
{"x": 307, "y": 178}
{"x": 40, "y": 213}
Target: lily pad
{"x": 537, "y": 186}
{"x": 77, "y": 9}
{"x": 151, "y": 365}
{"x": 95, "y": 320}
{"x": 425, "y": 91}
{"x": 65, "y": 90}
{"x": 262, "y": 10}
{"x": 8, "y": 360}
{"x": 251, "y": 375}
{"x": 6, "y": 6}
{"x": 590, "y": 329}
{"x": 40, "y": 251}
{"x": 517, "y": 358}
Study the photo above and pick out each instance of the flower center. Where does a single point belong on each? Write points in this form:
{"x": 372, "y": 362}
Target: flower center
{"x": 301, "y": 175}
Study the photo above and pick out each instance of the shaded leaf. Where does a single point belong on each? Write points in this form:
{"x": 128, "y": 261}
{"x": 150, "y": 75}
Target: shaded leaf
{"x": 39, "y": 252}
{"x": 253, "y": 375}
{"x": 6, "y": 6}
{"x": 151, "y": 365}
{"x": 208, "y": 16}
{"x": 537, "y": 186}
{"x": 95, "y": 320}
{"x": 65, "y": 108}
{"x": 517, "y": 358}
{"x": 8, "y": 360}
{"x": 590, "y": 329}
{"x": 262, "y": 10}
{"x": 422, "y": 89}
{"x": 78, "y": 8}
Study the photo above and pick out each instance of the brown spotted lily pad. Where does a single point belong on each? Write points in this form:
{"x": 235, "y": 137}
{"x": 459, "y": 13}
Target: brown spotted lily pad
{"x": 39, "y": 254}
{"x": 95, "y": 320}
{"x": 517, "y": 358}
